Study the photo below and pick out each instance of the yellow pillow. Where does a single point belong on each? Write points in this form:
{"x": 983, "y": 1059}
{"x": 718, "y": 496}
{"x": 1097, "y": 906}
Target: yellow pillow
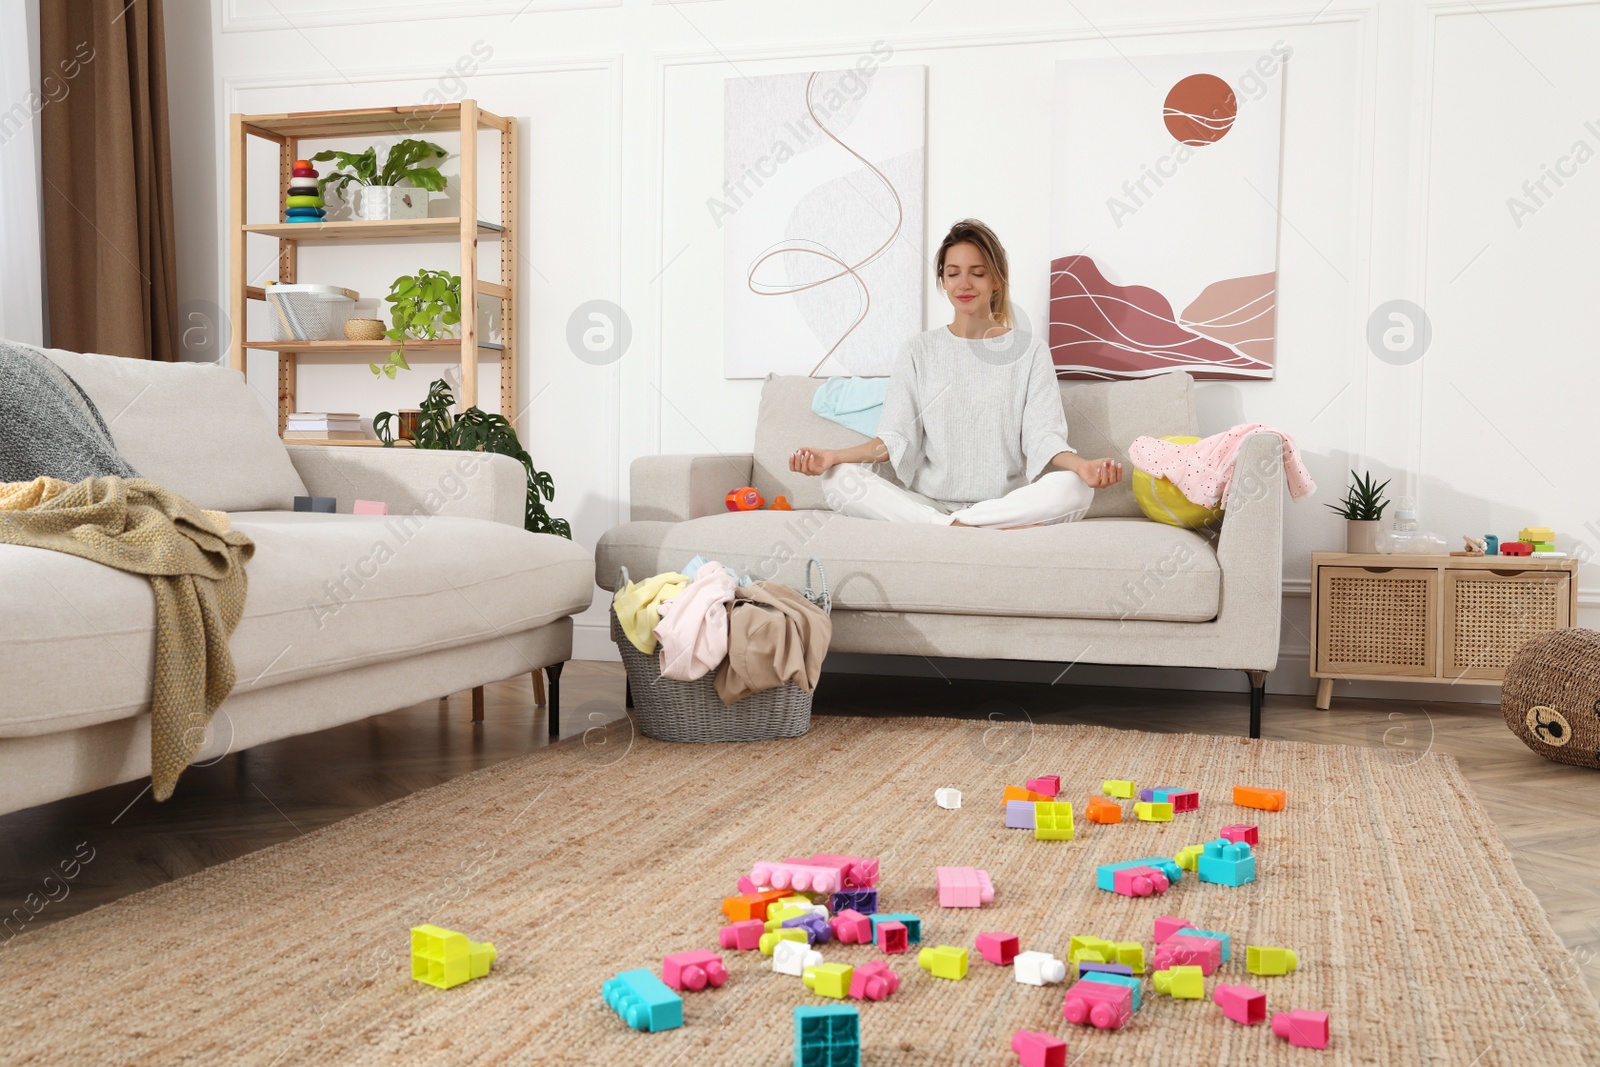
{"x": 1162, "y": 501}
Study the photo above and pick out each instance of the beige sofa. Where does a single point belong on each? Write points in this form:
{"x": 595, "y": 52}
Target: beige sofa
{"x": 1116, "y": 588}
{"x": 347, "y": 616}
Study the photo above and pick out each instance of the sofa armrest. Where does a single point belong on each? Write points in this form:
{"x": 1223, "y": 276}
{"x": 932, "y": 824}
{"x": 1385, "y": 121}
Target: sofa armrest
{"x": 1250, "y": 548}
{"x": 677, "y": 488}
{"x": 477, "y": 485}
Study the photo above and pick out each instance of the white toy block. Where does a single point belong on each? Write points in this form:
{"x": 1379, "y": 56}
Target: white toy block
{"x": 1039, "y": 968}
{"x": 793, "y": 957}
{"x": 947, "y": 797}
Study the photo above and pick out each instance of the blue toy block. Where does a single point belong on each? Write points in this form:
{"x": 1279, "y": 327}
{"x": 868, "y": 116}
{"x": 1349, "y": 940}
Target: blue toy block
{"x": 644, "y": 1001}
{"x": 326, "y": 504}
{"x": 1491, "y": 545}
{"x": 827, "y": 1036}
{"x": 1019, "y": 815}
{"x": 818, "y": 932}
{"x": 1227, "y": 942}
{"x": 1087, "y": 967}
{"x": 861, "y": 901}
{"x": 1105, "y": 875}
{"x": 1116, "y": 979}
{"x": 1226, "y": 863}
{"x": 1158, "y": 794}
{"x": 912, "y": 923}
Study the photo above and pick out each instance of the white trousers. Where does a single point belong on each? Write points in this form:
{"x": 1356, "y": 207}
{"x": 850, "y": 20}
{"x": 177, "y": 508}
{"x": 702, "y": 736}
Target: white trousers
{"x": 855, "y": 489}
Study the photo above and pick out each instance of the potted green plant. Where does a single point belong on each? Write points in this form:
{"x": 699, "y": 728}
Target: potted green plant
{"x": 409, "y": 160}
{"x": 1362, "y": 508}
{"x": 427, "y": 306}
{"x": 475, "y": 430}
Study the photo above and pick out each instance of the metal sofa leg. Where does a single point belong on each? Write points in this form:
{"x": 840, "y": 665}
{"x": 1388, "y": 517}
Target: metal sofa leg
{"x": 553, "y": 672}
{"x": 1258, "y": 691}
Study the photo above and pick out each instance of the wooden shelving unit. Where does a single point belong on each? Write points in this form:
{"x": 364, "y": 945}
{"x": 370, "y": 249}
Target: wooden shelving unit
{"x": 287, "y": 131}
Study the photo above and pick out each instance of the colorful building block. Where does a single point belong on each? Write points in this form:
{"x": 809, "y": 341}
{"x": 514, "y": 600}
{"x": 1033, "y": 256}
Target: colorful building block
{"x": 1052, "y": 821}
{"x": 998, "y": 948}
{"x": 1020, "y": 814}
{"x": 1182, "y": 982}
{"x": 1188, "y": 857}
{"x": 643, "y": 1001}
{"x": 864, "y": 901}
{"x": 1116, "y": 787}
{"x": 1183, "y": 800}
{"x": 1049, "y": 785}
{"x": 1126, "y": 981}
{"x": 323, "y": 504}
{"x": 818, "y": 932}
{"x": 1147, "y": 794}
{"x": 445, "y": 958}
{"x": 1305, "y": 1029}
{"x": 1016, "y": 792}
{"x": 1105, "y": 1006}
{"x": 1103, "y": 811}
{"x": 745, "y": 885}
{"x": 852, "y": 928}
{"x": 751, "y": 905}
{"x": 1182, "y": 950}
{"x": 892, "y": 937}
{"x": 1090, "y": 967}
{"x": 1167, "y": 925}
{"x": 1091, "y": 948}
{"x": 828, "y": 979}
{"x": 743, "y": 936}
{"x": 1266, "y": 799}
{"x": 1224, "y": 863}
{"x": 1222, "y": 939}
{"x": 1241, "y": 832}
{"x": 1131, "y": 954}
{"x": 1153, "y": 812}
{"x": 1507, "y": 548}
{"x": 827, "y": 1036}
{"x": 1105, "y": 875}
{"x": 793, "y": 957}
{"x": 799, "y": 876}
{"x": 944, "y": 961}
{"x": 1035, "y": 1048}
{"x": 1038, "y": 968}
{"x": 963, "y": 887}
{"x": 769, "y": 940}
{"x": 369, "y": 507}
{"x": 947, "y": 797}
{"x": 780, "y": 912}
{"x": 912, "y": 924}
{"x": 1259, "y": 959}
{"x": 1139, "y": 882}
{"x": 859, "y": 872}
{"x": 1241, "y": 1003}
{"x": 874, "y": 981}
{"x": 693, "y": 970}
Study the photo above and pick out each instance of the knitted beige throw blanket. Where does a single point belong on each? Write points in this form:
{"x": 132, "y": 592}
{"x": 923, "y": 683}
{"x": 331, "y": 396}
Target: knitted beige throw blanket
{"x": 195, "y": 563}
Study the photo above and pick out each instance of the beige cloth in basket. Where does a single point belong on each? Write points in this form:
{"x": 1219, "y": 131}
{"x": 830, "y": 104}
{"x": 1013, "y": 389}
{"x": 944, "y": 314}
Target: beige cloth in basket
{"x": 775, "y": 635}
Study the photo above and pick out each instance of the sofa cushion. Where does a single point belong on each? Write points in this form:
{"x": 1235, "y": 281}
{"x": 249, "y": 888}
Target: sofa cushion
{"x": 1097, "y": 569}
{"x": 196, "y": 428}
{"x": 327, "y": 593}
{"x": 1103, "y": 418}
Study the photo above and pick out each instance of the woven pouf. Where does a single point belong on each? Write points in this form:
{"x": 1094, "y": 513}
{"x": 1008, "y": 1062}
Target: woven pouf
{"x": 1551, "y": 696}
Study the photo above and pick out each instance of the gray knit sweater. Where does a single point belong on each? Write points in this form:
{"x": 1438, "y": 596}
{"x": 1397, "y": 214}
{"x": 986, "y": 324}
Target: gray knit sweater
{"x": 48, "y": 425}
{"x": 969, "y": 420}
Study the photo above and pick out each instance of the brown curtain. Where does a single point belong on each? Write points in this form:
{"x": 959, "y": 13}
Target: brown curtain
{"x": 111, "y": 263}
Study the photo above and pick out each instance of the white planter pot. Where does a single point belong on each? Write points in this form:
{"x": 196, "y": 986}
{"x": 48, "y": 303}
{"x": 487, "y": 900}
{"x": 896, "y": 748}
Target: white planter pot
{"x": 1361, "y": 535}
{"x": 379, "y": 202}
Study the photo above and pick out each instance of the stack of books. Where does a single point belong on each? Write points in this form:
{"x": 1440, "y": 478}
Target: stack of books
{"x": 324, "y": 426}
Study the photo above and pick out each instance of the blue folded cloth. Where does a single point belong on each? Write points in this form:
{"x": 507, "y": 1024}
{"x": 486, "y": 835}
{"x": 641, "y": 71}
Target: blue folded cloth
{"x": 853, "y": 402}
{"x": 700, "y": 561}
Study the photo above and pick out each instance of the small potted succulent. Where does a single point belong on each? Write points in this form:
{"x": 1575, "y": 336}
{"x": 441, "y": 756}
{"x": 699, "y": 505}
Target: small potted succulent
{"x": 409, "y": 160}
{"x": 427, "y": 305}
{"x": 1362, "y": 508}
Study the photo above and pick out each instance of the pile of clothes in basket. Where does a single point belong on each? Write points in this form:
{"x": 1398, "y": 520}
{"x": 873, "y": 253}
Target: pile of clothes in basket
{"x": 755, "y": 635}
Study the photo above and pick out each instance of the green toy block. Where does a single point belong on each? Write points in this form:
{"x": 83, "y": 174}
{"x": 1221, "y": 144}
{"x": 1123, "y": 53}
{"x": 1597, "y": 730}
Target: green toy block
{"x": 829, "y": 979}
{"x": 445, "y": 959}
{"x": 945, "y": 961}
{"x": 1184, "y": 983}
{"x": 769, "y": 940}
{"x": 1052, "y": 821}
{"x": 1259, "y": 959}
{"x": 1189, "y": 857}
{"x": 1130, "y": 953}
{"x": 1091, "y": 948}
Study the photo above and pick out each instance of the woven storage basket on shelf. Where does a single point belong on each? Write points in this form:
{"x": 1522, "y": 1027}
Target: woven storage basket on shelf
{"x": 669, "y": 710}
{"x": 1550, "y": 696}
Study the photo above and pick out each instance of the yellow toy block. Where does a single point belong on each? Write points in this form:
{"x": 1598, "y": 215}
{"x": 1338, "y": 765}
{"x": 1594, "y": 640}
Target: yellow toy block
{"x": 1052, "y": 820}
{"x": 1151, "y": 811}
{"x": 829, "y": 979}
{"x": 769, "y": 940}
{"x": 1115, "y": 787}
{"x": 1085, "y": 947}
{"x": 1185, "y": 983}
{"x": 805, "y": 900}
{"x": 946, "y": 961}
{"x": 778, "y": 912}
{"x": 1536, "y": 533}
{"x": 1261, "y": 960}
{"x": 445, "y": 959}
{"x": 1131, "y": 954}
{"x": 1189, "y": 857}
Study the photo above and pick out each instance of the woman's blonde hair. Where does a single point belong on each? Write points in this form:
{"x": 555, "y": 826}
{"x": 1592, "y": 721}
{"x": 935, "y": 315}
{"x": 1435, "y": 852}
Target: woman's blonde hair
{"x": 971, "y": 231}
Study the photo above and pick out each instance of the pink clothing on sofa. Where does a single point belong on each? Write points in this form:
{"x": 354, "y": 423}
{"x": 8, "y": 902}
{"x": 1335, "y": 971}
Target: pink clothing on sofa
{"x": 1204, "y": 470}
{"x": 693, "y": 630}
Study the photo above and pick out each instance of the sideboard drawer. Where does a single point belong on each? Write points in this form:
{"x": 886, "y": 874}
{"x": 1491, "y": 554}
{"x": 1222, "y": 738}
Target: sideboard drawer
{"x": 1377, "y": 621}
{"x": 1488, "y": 614}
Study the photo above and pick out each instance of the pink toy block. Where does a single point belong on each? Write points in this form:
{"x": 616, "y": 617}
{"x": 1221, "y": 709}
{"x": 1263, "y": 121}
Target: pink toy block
{"x": 1139, "y": 881}
{"x": 1183, "y": 800}
{"x": 800, "y": 876}
{"x": 873, "y": 981}
{"x": 369, "y": 507}
{"x": 742, "y": 936}
{"x": 860, "y": 872}
{"x": 1241, "y": 832}
{"x": 1049, "y": 785}
{"x": 747, "y": 886}
{"x": 999, "y": 948}
{"x": 963, "y": 887}
{"x": 852, "y": 928}
{"x": 693, "y": 970}
{"x": 1105, "y": 1006}
{"x": 1185, "y": 950}
{"x": 1167, "y": 925}
{"x": 1241, "y": 1003}
{"x": 893, "y": 938}
{"x": 1305, "y": 1029}
{"x": 1035, "y": 1048}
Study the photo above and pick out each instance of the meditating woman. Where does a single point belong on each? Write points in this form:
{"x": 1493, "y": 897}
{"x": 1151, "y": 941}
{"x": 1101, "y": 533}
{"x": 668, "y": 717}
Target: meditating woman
{"x": 972, "y": 425}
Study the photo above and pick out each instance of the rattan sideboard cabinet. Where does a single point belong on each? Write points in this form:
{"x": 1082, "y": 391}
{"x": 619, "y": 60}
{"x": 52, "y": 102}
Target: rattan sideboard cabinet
{"x": 1452, "y": 619}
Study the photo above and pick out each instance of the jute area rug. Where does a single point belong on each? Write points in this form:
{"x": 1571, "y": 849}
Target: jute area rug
{"x": 1412, "y": 928}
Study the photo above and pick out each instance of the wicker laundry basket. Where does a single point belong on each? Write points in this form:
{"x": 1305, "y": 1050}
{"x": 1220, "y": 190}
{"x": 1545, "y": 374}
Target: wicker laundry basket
{"x": 669, "y": 710}
{"x": 1550, "y": 696}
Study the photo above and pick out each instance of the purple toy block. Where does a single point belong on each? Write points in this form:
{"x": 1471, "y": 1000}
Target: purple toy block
{"x": 818, "y": 932}
{"x": 1241, "y": 1003}
{"x": 1019, "y": 815}
{"x": 1145, "y": 795}
{"x": 1087, "y": 967}
{"x": 864, "y": 901}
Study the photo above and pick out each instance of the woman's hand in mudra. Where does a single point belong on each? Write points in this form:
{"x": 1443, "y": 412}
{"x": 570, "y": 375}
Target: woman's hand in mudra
{"x": 812, "y": 461}
{"x": 1099, "y": 473}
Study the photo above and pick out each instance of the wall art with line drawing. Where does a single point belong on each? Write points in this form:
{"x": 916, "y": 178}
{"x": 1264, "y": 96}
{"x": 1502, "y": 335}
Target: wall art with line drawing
{"x": 822, "y": 219}
{"x": 1164, "y": 220}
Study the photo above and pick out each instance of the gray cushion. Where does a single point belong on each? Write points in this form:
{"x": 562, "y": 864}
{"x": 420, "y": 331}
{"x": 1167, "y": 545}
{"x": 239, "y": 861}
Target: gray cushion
{"x": 1097, "y": 569}
{"x": 196, "y": 428}
{"x": 1103, "y": 418}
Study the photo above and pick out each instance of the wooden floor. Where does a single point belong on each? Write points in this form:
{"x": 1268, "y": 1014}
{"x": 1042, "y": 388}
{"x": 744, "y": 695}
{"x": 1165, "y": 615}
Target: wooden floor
{"x": 247, "y": 800}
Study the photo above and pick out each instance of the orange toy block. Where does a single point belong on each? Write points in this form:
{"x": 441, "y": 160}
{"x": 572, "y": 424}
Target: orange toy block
{"x": 1247, "y": 796}
{"x": 1016, "y": 792}
{"x": 751, "y": 905}
{"x": 1102, "y": 810}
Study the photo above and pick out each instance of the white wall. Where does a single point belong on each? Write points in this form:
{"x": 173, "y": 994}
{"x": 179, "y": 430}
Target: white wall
{"x": 1408, "y": 125}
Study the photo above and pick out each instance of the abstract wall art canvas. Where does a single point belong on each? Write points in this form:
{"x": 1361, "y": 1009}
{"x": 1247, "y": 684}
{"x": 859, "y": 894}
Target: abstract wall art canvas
{"x": 822, "y": 217}
{"x": 1164, "y": 219}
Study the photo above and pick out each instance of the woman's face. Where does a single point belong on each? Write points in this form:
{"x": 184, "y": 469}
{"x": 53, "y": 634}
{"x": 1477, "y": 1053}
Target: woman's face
{"x": 966, "y": 279}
